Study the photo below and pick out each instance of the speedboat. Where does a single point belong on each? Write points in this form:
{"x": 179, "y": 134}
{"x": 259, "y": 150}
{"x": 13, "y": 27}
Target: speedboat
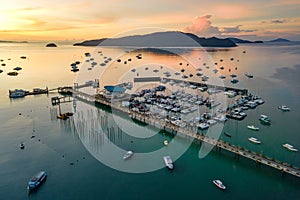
{"x": 36, "y": 180}
{"x": 203, "y": 126}
{"x": 254, "y": 140}
{"x": 219, "y": 184}
{"x": 265, "y": 119}
{"x": 127, "y": 155}
{"x": 284, "y": 108}
{"x": 252, "y": 127}
{"x": 168, "y": 162}
{"x": 290, "y": 147}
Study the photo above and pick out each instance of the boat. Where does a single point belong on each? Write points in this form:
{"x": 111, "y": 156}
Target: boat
{"x": 127, "y": 155}
{"x": 219, "y": 184}
{"x": 17, "y": 93}
{"x": 17, "y": 68}
{"x": 254, "y": 140}
{"x": 1, "y": 71}
{"x": 234, "y": 81}
{"x": 290, "y": 147}
{"x": 166, "y": 143}
{"x": 12, "y": 73}
{"x": 203, "y": 126}
{"x": 249, "y": 75}
{"x": 168, "y": 162}
{"x": 265, "y": 119}
{"x": 36, "y": 180}
{"x": 22, "y": 146}
{"x": 284, "y": 108}
{"x": 227, "y": 134}
{"x": 252, "y": 127}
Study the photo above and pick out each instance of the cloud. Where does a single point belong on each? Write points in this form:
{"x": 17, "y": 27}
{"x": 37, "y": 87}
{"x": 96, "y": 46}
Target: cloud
{"x": 235, "y": 29}
{"x": 202, "y": 26}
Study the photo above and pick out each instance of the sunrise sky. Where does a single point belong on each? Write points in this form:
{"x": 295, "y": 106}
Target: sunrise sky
{"x": 90, "y": 19}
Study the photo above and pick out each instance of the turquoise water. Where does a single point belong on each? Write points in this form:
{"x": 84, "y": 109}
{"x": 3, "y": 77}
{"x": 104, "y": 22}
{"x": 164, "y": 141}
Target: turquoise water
{"x": 73, "y": 173}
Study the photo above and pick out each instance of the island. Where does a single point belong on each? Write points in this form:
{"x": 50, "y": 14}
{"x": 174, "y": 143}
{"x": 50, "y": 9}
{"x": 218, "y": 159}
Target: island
{"x": 161, "y": 39}
{"x": 51, "y": 45}
{"x": 280, "y": 40}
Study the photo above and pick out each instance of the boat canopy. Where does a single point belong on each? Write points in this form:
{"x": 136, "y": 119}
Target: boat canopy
{"x": 117, "y": 89}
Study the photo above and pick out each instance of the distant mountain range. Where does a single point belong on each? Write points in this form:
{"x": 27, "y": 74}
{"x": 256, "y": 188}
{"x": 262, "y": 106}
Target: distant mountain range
{"x": 161, "y": 39}
{"x": 279, "y": 40}
{"x": 7, "y": 41}
{"x": 240, "y": 41}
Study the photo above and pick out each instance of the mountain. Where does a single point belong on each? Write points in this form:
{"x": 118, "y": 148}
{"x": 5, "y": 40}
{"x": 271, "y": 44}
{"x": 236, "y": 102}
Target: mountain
{"x": 161, "y": 39}
{"x": 280, "y": 40}
{"x": 240, "y": 41}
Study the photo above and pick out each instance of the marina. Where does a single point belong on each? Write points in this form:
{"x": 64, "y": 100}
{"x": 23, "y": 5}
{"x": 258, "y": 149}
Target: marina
{"x": 172, "y": 128}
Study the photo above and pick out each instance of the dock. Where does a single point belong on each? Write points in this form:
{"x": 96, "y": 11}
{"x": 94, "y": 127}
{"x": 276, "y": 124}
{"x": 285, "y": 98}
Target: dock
{"x": 219, "y": 144}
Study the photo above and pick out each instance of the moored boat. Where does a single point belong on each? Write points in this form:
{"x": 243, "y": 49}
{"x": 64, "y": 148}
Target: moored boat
{"x": 36, "y": 180}
{"x": 254, "y": 140}
{"x": 166, "y": 143}
{"x": 219, "y": 184}
{"x": 22, "y": 146}
{"x": 252, "y": 127}
{"x": 290, "y": 147}
{"x": 168, "y": 162}
{"x": 127, "y": 155}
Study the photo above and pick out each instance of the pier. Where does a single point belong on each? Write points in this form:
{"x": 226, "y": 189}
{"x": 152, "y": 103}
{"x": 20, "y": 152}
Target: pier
{"x": 219, "y": 144}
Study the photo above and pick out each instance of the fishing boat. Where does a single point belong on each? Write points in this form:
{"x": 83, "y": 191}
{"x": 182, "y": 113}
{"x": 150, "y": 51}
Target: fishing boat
{"x": 168, "y": 162}
{"x": 284, "y": 108}
{"x": 265, "y": 119}
{"x": 36, "y": 180}
{"x": 290, "y": 147}
{"x": 254, "y": 140}
{"x": 219, "y": 184}
{"x": 128, "y": 155}
{"x": 252, "y": 127}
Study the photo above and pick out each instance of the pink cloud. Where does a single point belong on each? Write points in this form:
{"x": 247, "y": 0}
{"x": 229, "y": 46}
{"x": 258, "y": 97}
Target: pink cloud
{"x": 202, "y": 26}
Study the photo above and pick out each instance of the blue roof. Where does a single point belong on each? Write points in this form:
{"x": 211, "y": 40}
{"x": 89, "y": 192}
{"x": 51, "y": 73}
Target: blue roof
{"x": 112, "y": 88}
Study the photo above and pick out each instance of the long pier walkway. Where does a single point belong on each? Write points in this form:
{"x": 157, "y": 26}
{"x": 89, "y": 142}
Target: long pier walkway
{"x": 219, "y": 144}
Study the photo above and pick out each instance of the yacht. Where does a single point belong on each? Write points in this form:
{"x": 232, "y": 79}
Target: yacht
{"x": 284, "y": 108}
{"x": 203, "y": 126}
{"x": 36, "y": 180}
{"x": 168, "y": 162}
{"x": 265, "y": 119}
{"x": 252, "y": 127}
{"x": 219, "y": 184}
{"x": 290, "y": 147}
{"x": 127, "y": 155}
{"x": 254, "y": 140}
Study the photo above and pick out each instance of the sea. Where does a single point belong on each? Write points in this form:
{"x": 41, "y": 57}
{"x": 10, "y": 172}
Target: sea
{"x": 79, "y": 154}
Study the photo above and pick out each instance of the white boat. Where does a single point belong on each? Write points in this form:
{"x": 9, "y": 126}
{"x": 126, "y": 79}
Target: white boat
{"x": 284, "y": 108}
{"x": 168, "y": 162}
{"x": 254, "y": 140}
{"x": 219, "y": 184}
{"x": 36, "y": 180}
{"x": 290, "y": 147}
{"x": 203, "y": 126}
{"x": 265, "y": 119}
{"x": 252, "y": 127}
{"x": 127, "y": 155}
{"x": 166, "y": 143}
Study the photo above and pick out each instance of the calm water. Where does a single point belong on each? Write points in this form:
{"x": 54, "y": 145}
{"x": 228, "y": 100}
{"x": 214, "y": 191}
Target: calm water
{"x": 57, "y": 144}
